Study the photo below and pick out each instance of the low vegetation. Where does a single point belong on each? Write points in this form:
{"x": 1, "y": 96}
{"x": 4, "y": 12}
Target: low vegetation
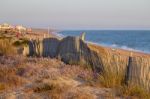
{"x": 18, "y": 71}
{"x": 133, "y": 91}
{"x": 115, "y": 81}
{"x": 111, "y": 79}
{"x": 21, "y": 42}
{"x": 6, "y": 47}
{"x": 53, "y": 78}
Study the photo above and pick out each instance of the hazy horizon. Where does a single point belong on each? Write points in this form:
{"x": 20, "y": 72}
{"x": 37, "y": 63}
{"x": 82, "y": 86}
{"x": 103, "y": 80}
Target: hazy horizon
{"x": 77, "y": 14}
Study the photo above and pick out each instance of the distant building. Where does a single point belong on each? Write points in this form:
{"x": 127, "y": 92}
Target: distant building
{"x": 5, "y": 26}
{"x": 20, "y": 28}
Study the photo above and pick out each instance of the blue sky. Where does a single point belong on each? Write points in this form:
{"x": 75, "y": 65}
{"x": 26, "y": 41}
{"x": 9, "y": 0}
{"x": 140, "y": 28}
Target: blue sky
{"x": 77, "y": 14}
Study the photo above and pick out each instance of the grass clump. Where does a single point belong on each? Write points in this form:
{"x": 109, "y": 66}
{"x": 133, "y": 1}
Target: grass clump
{"x": 6, "y": 47}
{"x": 110, "y": 79}
{"x": 134, "y": 91}
{"x": 115, "y": 80}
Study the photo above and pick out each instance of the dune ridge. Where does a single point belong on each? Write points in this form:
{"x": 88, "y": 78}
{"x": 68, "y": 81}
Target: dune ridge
{"x": 72, "y": 50}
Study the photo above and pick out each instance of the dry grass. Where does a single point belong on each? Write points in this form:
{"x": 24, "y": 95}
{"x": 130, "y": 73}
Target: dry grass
{"x": 75, "y": 71}
{"x": 44, "y": 87}
{"x": 9, "y": 77}
{"x": 110, "y": 79}
{"x": 79, "y": 95}
{"x": 2, "y": 86}
{"x": 134, "y": 91}
{"x": 58, "y": 92}
{"x": 54, "y": 89}
{"x": 6, "y": 48}
{"x": 114, "y": 66}
{"x": 16, "y": 71}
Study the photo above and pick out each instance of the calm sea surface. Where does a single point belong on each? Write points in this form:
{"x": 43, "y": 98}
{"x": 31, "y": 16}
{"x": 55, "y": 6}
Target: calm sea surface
{"x": 138, "y": 40}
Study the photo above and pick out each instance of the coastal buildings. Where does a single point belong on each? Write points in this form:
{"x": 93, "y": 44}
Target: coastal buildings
{"x": 5, "y": 26}
{"x": 18, "y": 28}
{"x": 15, "y": 30}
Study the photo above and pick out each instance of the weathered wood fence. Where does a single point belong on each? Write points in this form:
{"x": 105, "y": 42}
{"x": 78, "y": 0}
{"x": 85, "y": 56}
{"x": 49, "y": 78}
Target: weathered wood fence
{"x": 135, "y": 69}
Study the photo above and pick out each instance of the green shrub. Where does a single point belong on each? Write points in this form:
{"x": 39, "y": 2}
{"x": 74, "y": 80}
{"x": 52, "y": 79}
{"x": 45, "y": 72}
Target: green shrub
{"x": 17, "y": 43}
{"x": 20, "y": 42}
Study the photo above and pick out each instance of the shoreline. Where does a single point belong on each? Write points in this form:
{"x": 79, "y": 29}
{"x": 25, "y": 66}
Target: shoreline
{"x": 121, "y": 51}
{"x": 125, "y": 52}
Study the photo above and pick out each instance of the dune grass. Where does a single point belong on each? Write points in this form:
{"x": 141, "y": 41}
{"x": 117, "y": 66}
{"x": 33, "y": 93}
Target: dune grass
{"x": 114, "y": 80}
{"x": 6, "y": 47}
{"x": 134, "y": 91}
{"x": 110, "y": 79}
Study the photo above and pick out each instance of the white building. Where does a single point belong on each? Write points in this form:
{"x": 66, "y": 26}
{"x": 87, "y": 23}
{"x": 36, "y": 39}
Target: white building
{"x": 5, "y": 26}
{"x": 20, "y": 28}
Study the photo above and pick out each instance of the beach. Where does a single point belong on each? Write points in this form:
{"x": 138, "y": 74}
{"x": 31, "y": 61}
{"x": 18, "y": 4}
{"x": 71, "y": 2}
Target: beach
{"x": 39, "y": 33}
{"x": 53, "y": 66}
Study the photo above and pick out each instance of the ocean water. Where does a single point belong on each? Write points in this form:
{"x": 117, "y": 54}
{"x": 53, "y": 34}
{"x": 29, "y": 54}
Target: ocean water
{"x": 138, "y": 40}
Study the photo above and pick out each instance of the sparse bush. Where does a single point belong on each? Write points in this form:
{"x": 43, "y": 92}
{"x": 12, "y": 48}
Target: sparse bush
{"x": 17, "y": 43}
{"x": 21, "y": 42}
{"x": 6, "y": 47}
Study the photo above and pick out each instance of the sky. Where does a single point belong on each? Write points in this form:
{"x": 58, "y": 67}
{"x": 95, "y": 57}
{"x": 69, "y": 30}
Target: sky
{"x": 77, "y": 14}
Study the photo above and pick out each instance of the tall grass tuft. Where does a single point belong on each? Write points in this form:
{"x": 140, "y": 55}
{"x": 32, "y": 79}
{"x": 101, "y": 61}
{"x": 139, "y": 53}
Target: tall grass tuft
{"x": 6, "y": 47}
{"x": 110, "y": 79}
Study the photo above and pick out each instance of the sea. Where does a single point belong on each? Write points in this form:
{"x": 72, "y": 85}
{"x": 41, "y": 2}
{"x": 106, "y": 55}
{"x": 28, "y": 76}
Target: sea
{"x": 134, "y": 40}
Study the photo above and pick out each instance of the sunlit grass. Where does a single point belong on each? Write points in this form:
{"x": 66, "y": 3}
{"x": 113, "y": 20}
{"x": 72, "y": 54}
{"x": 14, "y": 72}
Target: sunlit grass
{"x": 6, "y": 47}
{"x": 134, "y": 91}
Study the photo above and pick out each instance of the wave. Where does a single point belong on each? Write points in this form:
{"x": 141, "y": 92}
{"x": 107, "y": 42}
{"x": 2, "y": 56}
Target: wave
{"x": 129, "y": 48}
{"x": 125, "y": 47}
{"x": 120, "y": 47}
{"x": 58, "y": 34}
